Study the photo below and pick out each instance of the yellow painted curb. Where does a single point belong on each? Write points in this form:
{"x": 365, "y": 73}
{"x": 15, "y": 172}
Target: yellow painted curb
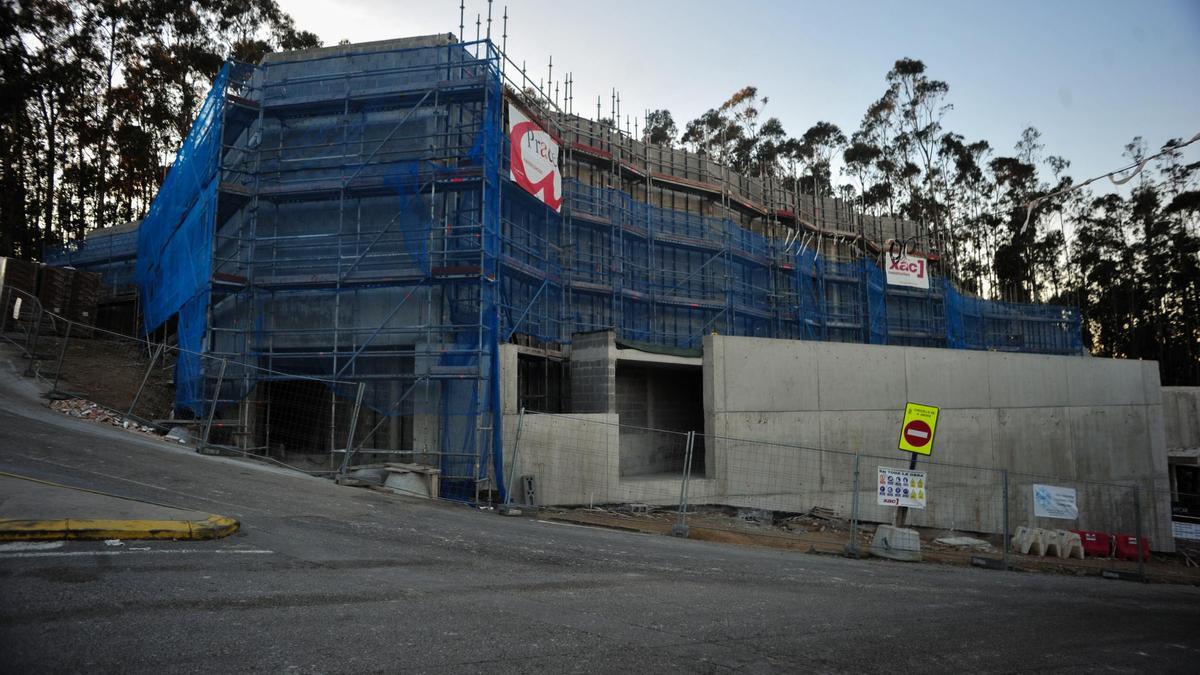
{"x": 213, "y": 527}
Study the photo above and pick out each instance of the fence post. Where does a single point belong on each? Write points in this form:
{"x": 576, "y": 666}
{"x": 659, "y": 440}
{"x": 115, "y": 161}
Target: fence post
{"x": 512, "y": 469}
{"x": 32, "y": 340}
{"x": 145, "y": 378}
{"x": 852, "y": 545}
{"x": 54, "y": 394}
{"x": 1137, "y": 514}
{"x": 5, "y": 299}
{"x": 358, "y": 397}
{"x": 1004, "y": 517}
{"x": 213, "y": 410}
{"x": 681, "y": 529}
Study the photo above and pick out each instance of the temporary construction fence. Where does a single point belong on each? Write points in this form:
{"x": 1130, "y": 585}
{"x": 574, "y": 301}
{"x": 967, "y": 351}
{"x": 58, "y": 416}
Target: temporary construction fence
{"x": 579, "y": 467}
{"x": 592, "y": 468}
{"x": 129, "y": 383}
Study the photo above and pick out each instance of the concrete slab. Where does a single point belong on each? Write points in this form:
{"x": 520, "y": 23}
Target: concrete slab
{"x": 896, "y": 543}
{"x": 948, "y": 378}
{"x": 1096, "y": 382}
{"x": 1026, "y": 380}
{"x": 858, "y": 377}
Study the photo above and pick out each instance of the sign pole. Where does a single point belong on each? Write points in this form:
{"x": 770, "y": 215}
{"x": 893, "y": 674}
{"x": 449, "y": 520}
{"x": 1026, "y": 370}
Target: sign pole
{"x": 916, "y": 438}
{"x": 902, "y": 511}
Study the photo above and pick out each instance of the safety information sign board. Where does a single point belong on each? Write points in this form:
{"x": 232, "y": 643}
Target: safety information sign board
{"x": 901, "y": 487}
{"x": 1051, "y": 501}
{"x": 1183, "y": 530}
{"x": 920, "y": 423}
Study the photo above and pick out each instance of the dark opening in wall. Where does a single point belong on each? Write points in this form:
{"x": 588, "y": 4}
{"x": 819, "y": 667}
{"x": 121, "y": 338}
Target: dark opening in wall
{"x": 658, "y": 404}
{"x": 298, "y": 416}
{"x": 541, "y": 384}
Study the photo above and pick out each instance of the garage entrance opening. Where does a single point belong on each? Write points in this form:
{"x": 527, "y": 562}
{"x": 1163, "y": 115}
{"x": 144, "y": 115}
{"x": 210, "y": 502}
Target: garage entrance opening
{"x": 653, "y": 399}
{"x": 298, "y": 416}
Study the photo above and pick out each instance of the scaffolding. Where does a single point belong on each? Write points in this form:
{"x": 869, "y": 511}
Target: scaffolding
{"x": 111, "y": 253}
{"x": 345, "y": 214}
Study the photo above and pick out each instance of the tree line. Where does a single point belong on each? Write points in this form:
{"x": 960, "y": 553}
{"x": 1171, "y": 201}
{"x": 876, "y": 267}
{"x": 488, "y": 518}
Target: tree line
{"x": 97, "y": 95}
{"x": 1131, "y": 263}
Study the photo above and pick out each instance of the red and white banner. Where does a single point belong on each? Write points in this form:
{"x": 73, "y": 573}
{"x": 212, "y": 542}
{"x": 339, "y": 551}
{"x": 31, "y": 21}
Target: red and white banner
{"x": 534, "y": 159}
{"x": 906, "y": 270}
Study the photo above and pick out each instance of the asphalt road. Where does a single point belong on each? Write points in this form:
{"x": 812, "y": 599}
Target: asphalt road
{"x": 331, "y": 579}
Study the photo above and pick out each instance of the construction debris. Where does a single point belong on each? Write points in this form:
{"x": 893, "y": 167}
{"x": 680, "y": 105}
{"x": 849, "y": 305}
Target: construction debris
{"x": 964, "y": 543}
{"x": 94, "y": 412}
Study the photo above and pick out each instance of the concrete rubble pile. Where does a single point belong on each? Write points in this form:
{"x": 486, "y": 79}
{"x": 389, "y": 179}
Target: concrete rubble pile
{"x": 85, "y": 409}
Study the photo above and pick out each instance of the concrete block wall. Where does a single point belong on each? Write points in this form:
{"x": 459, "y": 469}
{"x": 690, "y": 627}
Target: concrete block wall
{"x": 1077, "y": 419}
{"x": 594, "y": 372}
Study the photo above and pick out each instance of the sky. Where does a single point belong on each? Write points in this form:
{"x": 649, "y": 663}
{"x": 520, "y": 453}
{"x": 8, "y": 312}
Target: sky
{"x": 1090, "y": 75}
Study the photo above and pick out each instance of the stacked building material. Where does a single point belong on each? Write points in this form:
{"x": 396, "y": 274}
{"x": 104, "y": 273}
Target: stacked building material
{"x": 84, "y": 298}
{"x": 54, "y": 292}
{"x": 54, "y": 288}
{"x": 19, "y": 275}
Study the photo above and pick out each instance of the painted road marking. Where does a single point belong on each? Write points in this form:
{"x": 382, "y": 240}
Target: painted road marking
{"x": 31, "y": 546}
{"x": 70, "y": 554}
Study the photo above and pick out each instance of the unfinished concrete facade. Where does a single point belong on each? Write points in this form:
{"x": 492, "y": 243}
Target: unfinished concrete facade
{"x": 345, "y": 221}
{"x": 769, "y": 406}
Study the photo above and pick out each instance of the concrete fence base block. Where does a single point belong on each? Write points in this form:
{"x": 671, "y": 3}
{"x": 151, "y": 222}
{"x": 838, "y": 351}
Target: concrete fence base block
{"x": 896, "y": 543}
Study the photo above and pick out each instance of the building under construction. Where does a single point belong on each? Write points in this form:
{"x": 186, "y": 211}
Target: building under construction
{"x": 389, "y": 214}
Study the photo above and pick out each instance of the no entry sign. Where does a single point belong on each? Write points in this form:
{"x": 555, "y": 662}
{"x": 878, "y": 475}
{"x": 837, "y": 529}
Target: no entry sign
{"x": 920, "y": 423}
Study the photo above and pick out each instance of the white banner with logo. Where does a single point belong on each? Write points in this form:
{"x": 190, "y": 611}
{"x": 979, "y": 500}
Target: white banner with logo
{"x": 1051, "y": 501}
{"x": 534, "y": 159}
{"x": 901, "y": 487}
{"x": 906, "y": 270}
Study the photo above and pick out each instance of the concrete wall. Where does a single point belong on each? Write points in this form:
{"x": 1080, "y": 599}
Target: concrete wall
{"x": 1076, "y": 419}
{"x": 1181, "y": 417}
{"x": 575, "y": 460}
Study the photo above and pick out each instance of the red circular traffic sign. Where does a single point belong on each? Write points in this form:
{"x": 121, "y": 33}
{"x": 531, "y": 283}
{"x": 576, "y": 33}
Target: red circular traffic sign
{"x": 917, "y": 434}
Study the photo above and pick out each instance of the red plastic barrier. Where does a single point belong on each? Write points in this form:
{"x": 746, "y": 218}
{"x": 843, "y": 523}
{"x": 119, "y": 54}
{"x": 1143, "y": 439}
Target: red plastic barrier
{"x": 1096, "y": 544}
{"x": 1127, "y": 547}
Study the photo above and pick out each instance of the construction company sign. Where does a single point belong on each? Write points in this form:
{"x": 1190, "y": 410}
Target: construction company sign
{"x": 906, "y": 270}
{"x": 534, "y": 159}
{"x": 901, "y": 487}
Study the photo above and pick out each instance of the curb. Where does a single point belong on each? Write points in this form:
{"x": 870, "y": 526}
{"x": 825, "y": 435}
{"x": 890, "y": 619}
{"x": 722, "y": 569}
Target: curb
{"x": 213, "y": 527}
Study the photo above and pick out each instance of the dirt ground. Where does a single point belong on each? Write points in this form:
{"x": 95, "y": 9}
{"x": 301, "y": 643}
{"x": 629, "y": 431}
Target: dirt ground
{"x": 109, "y": 371}
{"x": 829, "y": 534}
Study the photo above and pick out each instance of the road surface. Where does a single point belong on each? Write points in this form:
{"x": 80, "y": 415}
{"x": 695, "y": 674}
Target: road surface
{"x": 329, "y": 579}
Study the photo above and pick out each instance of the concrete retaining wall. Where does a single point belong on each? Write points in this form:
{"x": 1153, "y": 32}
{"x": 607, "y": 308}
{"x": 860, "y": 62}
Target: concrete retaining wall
{"x": 1181, "y": 417}
{"x": 575, "y": 460}
{"x": 1078, "y": 419}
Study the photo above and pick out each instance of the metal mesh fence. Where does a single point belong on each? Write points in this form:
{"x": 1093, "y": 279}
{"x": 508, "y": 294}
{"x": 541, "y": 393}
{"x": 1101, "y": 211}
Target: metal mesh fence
{"x": 592, "y": 468}
{"x": 114, "y": 379}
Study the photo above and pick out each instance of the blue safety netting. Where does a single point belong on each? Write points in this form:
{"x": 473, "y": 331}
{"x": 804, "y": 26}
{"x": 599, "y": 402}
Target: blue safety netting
{"x": 174, "y": 261}
{"x": 358, "y": 214}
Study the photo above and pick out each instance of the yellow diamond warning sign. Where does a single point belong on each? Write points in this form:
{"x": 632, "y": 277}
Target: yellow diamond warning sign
{"x": 920, "y": 423}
